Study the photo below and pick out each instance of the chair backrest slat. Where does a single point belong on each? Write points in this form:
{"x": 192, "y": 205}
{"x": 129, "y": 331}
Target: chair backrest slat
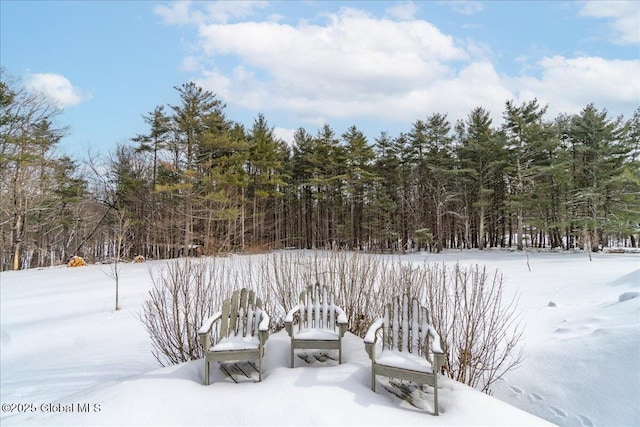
{"x": 405, "y": 325}
{"x": 241, "y": 314}
{"x": 395, "y": 323}
{"x": 309, "y": 296}
{"x": 233, "y": 313}
{"x": 387, "y": 343}
{"x": 317, "y": 308}
{"x": 415, "y": 326}
{"x": 323, "y": 315}
{"x": 250, "y": 321}
{"x": 224, "y": 321}
{"x": 332, "y": 311}
{"x": 424, "y": 329}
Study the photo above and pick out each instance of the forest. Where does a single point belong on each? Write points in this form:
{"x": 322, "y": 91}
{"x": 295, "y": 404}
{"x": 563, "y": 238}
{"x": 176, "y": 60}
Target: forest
{"x": 200, "y": 183}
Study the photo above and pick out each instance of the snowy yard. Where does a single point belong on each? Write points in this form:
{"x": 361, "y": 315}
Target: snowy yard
{"x": 68, "y": 359}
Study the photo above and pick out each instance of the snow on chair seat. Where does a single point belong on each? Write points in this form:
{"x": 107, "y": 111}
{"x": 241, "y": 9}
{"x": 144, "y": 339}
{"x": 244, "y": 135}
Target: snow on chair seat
{"x": 317, "y": 334}
{"x": 321, "y": 323}
{"x": 406, "y": 361}
{"x": 238, "y": 332}
{"x": 236, "y": 343}
{"x": 405, "y": 340}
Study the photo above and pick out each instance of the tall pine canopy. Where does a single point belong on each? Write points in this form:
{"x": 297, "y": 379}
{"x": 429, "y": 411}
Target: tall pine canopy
{"x": 196, "y": 182}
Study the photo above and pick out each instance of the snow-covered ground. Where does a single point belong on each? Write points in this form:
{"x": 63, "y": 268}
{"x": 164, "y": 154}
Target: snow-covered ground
{"x": 68, "y": 359}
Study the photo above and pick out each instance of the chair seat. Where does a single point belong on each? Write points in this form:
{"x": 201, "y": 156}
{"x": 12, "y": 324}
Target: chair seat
{"x": 317, "y": 335}
{"x": 403, "y": 360}
{"x": 237, "y": 343}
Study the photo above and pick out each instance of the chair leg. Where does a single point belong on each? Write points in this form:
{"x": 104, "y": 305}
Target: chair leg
{"x": 206, "y": 372}
{"x": 291, "y": 355}
{"x": 373, "y": 379}
{"x": 340, "y": 352}
{"x": 435, "y": 397}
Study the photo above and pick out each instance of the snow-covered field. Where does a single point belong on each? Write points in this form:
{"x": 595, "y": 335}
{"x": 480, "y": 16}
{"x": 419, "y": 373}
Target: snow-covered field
{"x": 68, "y": 359}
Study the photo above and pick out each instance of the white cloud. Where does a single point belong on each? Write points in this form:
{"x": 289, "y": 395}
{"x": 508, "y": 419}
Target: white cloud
{"x": 349, "y": 67}
{"x": 179, "y": 13}
{"x": 182, "y": 13}
{"x": 224, "y": 11}
{"x": 356, "y": 66}
{"x": 284, "y": 134}
{"x": 58, "y": 88}
{"x": 191, "y": 64}
{"x": 623, "y": 18}
{"x": 569, "y": 84}
{"x": 403, "y": 11}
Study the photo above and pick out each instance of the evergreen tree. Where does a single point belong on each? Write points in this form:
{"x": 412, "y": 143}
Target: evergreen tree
{"x": 386, "y": 199}
{"x": 526, "y": 135}
{"x": 482, "y": 160}
{"x": 359, "y": 178}
{"x": 266, "y": 188}
{"x": 304, "y": 199}
{"x": 196, "y": 124}
{"x": 600, "y": 153}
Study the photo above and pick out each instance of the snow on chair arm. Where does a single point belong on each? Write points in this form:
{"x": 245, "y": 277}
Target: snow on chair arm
{"x": 342, "y": 316}
{"x": 292, "y": 312}
{"x": 370, "y": 337}
{"x": 435, "y": 344}
{"x": 264, "y": 322}
{"x": 208, "y": 324}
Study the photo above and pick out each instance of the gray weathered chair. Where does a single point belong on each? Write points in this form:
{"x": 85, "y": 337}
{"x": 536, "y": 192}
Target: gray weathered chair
{"x": 405, "y": 335}
{"x": 321, "y": 323}
{"x": 238, "y": 332}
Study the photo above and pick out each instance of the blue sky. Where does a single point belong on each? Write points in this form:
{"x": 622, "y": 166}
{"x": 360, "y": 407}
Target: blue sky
{"x": 378, "y": 65}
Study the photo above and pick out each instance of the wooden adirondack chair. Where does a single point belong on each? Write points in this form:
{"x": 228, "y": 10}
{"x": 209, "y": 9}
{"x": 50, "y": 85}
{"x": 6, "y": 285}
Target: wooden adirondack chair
{"x": 238, "y": 332}
{"x": 321, "y": 323}
{"x": 405, "y": 339}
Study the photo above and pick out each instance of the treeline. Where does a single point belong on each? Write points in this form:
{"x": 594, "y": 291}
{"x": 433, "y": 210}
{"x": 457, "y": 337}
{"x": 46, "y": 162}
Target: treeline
{"x": 199, "y": 183}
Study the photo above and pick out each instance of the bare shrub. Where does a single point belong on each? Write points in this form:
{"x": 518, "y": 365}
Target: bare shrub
{"x": 479, "y": 327}
{"x": 480, "y": 330}
{"x": 185, "y": 293}
{"x": 352, "y": 276}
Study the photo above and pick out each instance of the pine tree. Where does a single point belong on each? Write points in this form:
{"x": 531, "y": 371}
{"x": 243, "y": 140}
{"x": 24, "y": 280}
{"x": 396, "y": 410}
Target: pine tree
{"x": 199, "y": 117}
{"x": 526, "y": 135}
{"x": 600, "y": 153}
{"x": 266, "y": 183}
{"x": 359, "y": 178}
{"x": 482, "y": 159}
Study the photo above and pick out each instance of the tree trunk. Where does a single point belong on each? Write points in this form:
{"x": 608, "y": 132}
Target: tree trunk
{"x": 17, "y": 230}
{"x": 520, "y": 245}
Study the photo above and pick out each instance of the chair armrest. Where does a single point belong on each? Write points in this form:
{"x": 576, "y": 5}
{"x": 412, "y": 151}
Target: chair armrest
{"x": 342, "y": 316}
{"x": 205, "y": 330}
{"x": 291, "y": 313}
{"x": 288, "y": 320}
{"x": 371, "y": 337}
{"x": 208, "y": 324}
{"x": 436, "y": 347}
{"x": 263, "y": 326}
{"x": 438, "y": 362}
{"x": 263, "y": 336}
